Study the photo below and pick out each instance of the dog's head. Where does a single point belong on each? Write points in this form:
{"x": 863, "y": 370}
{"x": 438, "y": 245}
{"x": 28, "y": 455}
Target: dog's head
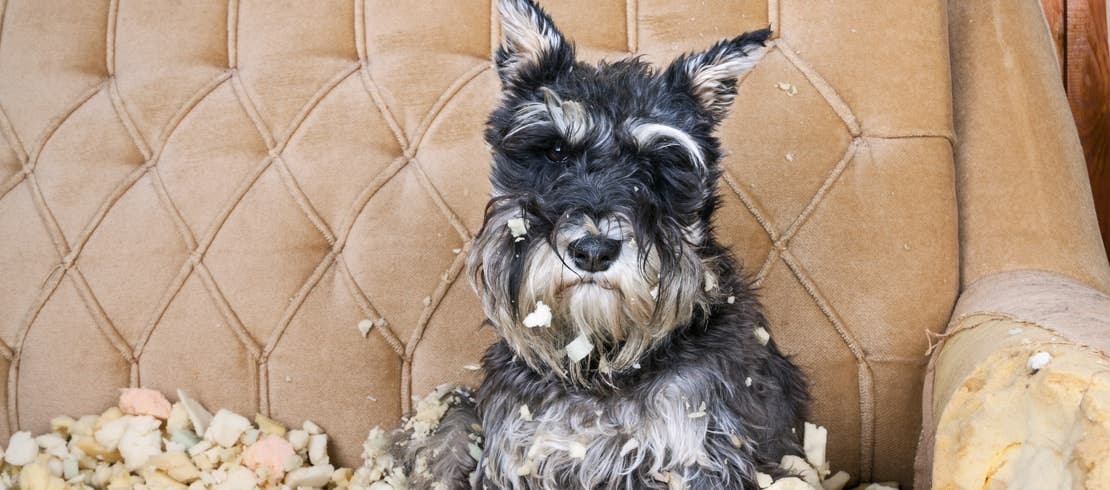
{"x": 603, "y": 183}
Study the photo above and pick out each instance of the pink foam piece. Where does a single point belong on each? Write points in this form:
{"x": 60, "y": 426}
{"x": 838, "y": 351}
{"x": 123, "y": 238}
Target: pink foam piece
{"x": 143, "y": 401}
{"x": 271, "y": 452}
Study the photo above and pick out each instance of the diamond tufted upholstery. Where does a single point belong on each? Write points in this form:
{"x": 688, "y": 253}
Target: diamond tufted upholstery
{"x": 212, "y": 194}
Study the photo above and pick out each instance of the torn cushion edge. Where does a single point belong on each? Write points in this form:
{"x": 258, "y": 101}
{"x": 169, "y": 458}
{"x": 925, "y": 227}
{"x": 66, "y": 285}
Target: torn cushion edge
{"x": 998, "y": 323}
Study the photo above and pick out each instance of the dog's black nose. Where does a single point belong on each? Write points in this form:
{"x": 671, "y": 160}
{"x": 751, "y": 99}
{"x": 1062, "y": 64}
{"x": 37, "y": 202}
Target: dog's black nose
{"x": 594, "y": 253}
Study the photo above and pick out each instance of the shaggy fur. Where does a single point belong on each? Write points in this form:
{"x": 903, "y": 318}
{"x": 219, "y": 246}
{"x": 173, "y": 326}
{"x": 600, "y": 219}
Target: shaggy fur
{"x": 678, "y": 390}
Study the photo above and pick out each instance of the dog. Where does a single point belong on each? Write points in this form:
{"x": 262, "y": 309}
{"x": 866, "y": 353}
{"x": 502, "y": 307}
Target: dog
{"x": 633, "y": 353}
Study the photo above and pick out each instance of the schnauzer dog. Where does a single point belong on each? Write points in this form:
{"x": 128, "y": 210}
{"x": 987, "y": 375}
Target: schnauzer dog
{"x": 633, "y": 353}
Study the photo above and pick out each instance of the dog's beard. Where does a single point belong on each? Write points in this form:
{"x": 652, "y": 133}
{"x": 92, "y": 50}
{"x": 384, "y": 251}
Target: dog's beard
{"x": 623, "y": 311}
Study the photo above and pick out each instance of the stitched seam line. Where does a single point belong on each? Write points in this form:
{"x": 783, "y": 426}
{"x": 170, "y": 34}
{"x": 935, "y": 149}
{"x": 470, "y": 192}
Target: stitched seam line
{"x": 16, "y": 144}
{"x": 632, "y": 25}
{"x": 448, "y": 279}
{"x": 360, "y": 30}
{"x": 57, "y": 122}
{"x": 749, "y": 202}
{"x": 447, "y": 96}
{"x": 368, "y": 309}
{"x": 226, "y": 311}
{"x": 832, "y": 98}
{"x": 11, "y": 183}
{"x": 295, "y": 304}
{"x": 774, "y": 18}
{"x": 865, "y": 376}
{"x": 819, "y": 196}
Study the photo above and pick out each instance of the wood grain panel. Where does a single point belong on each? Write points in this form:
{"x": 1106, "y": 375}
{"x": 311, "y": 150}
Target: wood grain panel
{"x": 1079, "y": 28}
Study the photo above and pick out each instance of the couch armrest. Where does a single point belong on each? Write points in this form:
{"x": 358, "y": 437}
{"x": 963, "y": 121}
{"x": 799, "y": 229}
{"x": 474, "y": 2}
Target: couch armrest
{"x": 990, "y": 417}
{"x": 1021, "y": 181}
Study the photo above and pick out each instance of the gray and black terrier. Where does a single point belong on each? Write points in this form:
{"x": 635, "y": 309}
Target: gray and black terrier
{"x": 633, "y": 353}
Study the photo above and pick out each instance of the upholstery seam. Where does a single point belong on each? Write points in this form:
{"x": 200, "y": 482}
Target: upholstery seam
{"x": 3, "y": 15}
{"x": 360, "y": 29}
{"x": 163, "y": 305}
{"x": 441, "y": 102}
{"x": 376, "y": 97}
{"x": 447, "y": 279}
{"x": 8, "y": 130}
{"x": 865, "y": 374}
{"x": 358, "y": 206}
{"x": 49, "y": 287}
{"x": 56, "y": 123}
{"x": 252, "y": 111}
{"x": 110, "y": 38}
{"x": 122, "y": 188}
{"x": 294, "y": 306}
{"x": 218, "y": 222}
{"x": 768, "y": 264}
{"x": 9, "y": 184}
{"x": 429, "y": 187}
{"x": 368, "y": 309}
{"x": 774, "y": 18}
{"x": 632, "y": 25}
{"x": 174, "y": 122}
{"x": 61, "y": 245}
{"x": 224, "y": 307}
{"x": 914, "y": 134}
{"x": 233, "y": 34}
{"x": 494, "y": 31}
{"x": 818, "y": 197}
{"x": 100, "y": 317}
{"x": 302, "y": 200}
{"x": 128, "y": 122}
{"x": 749, "y": 202}
{"x": 310, "y": 106}
{"x": 166, "y": 200}
{"x": 832, "y": 98}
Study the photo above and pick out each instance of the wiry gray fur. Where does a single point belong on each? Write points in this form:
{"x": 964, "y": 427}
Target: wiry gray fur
{"x": 678, "y": 390}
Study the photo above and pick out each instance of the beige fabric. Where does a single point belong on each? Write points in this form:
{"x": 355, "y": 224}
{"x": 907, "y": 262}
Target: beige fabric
{"x": 1019, "y": 165}
{"x": 976, "y": 373}
{"x": 211, "y": 194}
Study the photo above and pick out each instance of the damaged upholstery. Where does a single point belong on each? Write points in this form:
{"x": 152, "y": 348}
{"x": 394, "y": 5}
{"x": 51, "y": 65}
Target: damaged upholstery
{"x": 210, "y": 195}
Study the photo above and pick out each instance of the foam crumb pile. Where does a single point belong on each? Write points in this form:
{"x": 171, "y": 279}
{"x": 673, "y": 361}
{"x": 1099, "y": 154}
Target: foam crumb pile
{"x": 812, "y": 472}
{"x": 148, "y": 443}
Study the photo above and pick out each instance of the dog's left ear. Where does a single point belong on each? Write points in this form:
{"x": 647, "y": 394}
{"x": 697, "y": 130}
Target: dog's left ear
{"x": 532, "y": 50}
{"x": 710, "y": 76}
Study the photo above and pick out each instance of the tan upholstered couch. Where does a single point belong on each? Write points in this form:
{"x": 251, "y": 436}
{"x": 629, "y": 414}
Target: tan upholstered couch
{"x": 211, "y": 195}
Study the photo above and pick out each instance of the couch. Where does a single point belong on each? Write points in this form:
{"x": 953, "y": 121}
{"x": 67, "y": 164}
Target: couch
{"x": 211, "y": 195}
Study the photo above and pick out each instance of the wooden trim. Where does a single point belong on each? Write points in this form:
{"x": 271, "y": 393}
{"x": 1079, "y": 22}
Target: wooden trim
{"x": 1080, "y": 31}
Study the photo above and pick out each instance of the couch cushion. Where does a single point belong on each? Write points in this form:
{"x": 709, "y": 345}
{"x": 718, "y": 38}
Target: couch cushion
{"x": 212, "y": 196}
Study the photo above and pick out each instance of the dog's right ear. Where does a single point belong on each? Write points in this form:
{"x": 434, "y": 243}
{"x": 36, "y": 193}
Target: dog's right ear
{"x": 710, "y": 76}
{"x": 532, "y": 50}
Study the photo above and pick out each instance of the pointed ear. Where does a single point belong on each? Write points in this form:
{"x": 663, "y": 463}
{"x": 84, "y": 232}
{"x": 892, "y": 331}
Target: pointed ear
{"x": 532, "y": 49}
{"x": 710, "y": 76}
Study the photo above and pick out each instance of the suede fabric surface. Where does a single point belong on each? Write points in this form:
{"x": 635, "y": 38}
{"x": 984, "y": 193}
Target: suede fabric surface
{"x": 210, "y": 195}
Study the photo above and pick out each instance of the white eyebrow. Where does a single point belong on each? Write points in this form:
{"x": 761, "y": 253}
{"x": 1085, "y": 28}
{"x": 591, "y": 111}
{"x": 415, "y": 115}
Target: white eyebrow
{"x": 647, "y": 133}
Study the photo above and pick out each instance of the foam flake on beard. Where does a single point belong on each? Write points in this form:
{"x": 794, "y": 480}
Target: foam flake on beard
{"x": 540, "y": 317}
{"x": 579, "y": 348}
{"x": 518, "y": 227}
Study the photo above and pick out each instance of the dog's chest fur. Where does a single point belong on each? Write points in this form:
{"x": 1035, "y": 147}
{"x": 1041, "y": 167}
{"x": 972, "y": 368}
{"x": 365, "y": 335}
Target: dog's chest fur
{"x": 578, "y": 440}
{"x": 686, "y": 419}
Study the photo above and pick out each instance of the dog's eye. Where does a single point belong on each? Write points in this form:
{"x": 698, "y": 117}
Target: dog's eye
{"x": 557, "y": 154}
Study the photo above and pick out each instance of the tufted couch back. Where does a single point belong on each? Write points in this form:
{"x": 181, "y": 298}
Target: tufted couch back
{"x": 212, "y": 194}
